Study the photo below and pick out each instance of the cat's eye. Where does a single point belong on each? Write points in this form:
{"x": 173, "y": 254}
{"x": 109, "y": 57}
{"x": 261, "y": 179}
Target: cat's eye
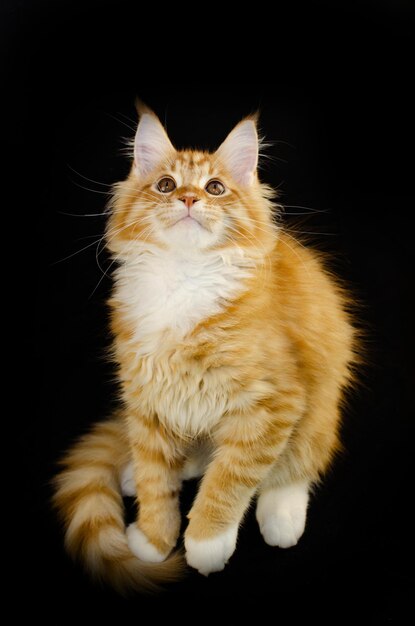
{"x": 215, "y": 188}
{"x": 166, "y": 184}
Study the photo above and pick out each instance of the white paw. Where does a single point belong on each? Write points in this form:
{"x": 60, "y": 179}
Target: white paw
{"x": 211, "y": 555}
{"x": 127, "y": 481}
{"x": 281, "y": 514}
{"x": 141, "y": 547}
{"x": 283, "y": 530}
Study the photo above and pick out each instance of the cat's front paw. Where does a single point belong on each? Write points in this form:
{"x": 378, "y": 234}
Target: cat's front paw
{"x": 211, "y": 555}
{"x": 141, "y": 546}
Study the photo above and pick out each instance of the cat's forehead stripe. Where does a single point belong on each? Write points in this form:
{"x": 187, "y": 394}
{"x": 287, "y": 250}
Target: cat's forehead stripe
{"x": 192, "y": 167}
{"x": 192, "y": 158}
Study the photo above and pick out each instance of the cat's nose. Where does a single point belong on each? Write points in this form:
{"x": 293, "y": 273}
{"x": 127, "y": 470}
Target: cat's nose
{"x": 189, "y": 199}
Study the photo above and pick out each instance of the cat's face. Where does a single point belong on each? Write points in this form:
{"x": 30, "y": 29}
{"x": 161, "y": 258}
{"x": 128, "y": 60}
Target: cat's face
{"x": 189, "y": 200}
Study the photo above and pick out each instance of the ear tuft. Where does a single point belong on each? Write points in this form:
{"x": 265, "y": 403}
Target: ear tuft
{"x": 142, "y": 108}
{"x": 151, "y": 143}
{"x": 239, "y": 151}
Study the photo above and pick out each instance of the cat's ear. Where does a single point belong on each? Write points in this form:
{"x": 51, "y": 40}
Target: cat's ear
{"x": 239, "y": 151}
{"x": 151, "y": 143}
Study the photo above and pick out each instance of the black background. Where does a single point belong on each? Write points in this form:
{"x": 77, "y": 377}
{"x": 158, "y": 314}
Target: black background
{"x": 332, "y": 82}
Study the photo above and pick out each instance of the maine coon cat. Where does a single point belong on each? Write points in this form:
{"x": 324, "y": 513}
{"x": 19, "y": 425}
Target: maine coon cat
{"x": 234, "y": 348}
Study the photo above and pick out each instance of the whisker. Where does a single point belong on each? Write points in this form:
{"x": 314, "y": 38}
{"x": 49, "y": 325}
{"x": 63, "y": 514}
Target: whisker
{"x": 114, "y": 117}
{"x": 310, "y": 232}
{"x": 103, "y": 193}
{"x": 301, "y": 232}
{"x": 103, "y": 214}
{"x": 295, "y": 252}
{"x": 75, "y": 253}
{"x": 112, "y": 232}
{"x": 91, "y": 180}
{"x": 127, "y": 118}
{"x": 256, "y": 242}
{"x": 306, "y": 208}
{"x": 106, "y": 239}
{"x": 98, "y": 252}
{"x": 104, "y": 274}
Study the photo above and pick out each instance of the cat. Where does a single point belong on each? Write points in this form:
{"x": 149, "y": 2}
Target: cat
{"x": 234, "y": 348}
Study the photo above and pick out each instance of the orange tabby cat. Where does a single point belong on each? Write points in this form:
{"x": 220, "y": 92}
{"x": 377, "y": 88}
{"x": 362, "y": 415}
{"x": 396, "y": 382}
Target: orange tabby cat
{"x": 234, "y": 348}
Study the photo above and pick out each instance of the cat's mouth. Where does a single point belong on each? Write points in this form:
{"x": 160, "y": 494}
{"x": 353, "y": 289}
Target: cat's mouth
{"x": 188, "y": 221}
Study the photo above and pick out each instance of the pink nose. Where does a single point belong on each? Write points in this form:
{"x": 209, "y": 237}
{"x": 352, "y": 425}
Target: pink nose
{"x": 189, "y": 200}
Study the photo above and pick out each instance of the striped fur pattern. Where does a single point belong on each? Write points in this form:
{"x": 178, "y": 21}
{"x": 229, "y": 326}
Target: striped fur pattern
{"x": 234, "y": 348}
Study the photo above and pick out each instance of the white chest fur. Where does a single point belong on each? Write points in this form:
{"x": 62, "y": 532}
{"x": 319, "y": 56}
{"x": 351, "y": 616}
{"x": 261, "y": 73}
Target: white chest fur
{"x": 159, "y": 290}
{"x": 164, "y": 297}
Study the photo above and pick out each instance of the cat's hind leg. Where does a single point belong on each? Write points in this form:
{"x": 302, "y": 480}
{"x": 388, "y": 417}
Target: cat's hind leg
{"x": 281, "y": 513}
{"x": 284, "y": 494}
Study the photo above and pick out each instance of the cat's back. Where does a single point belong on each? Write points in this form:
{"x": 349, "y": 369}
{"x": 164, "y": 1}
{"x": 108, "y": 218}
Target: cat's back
{"x": 310, "y": 302}
{"x": 302, "y": 279}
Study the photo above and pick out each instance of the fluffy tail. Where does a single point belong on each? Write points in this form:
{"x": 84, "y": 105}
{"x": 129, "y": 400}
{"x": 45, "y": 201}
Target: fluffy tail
{"x": 89, "y": 501}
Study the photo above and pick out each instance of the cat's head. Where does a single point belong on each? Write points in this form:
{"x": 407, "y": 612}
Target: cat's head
{"x": 188, "y": 200}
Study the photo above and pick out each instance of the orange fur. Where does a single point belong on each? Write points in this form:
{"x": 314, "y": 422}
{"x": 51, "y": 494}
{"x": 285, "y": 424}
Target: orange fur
{"x": 269, "y": 366}
{"x": 88, "y": 499}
